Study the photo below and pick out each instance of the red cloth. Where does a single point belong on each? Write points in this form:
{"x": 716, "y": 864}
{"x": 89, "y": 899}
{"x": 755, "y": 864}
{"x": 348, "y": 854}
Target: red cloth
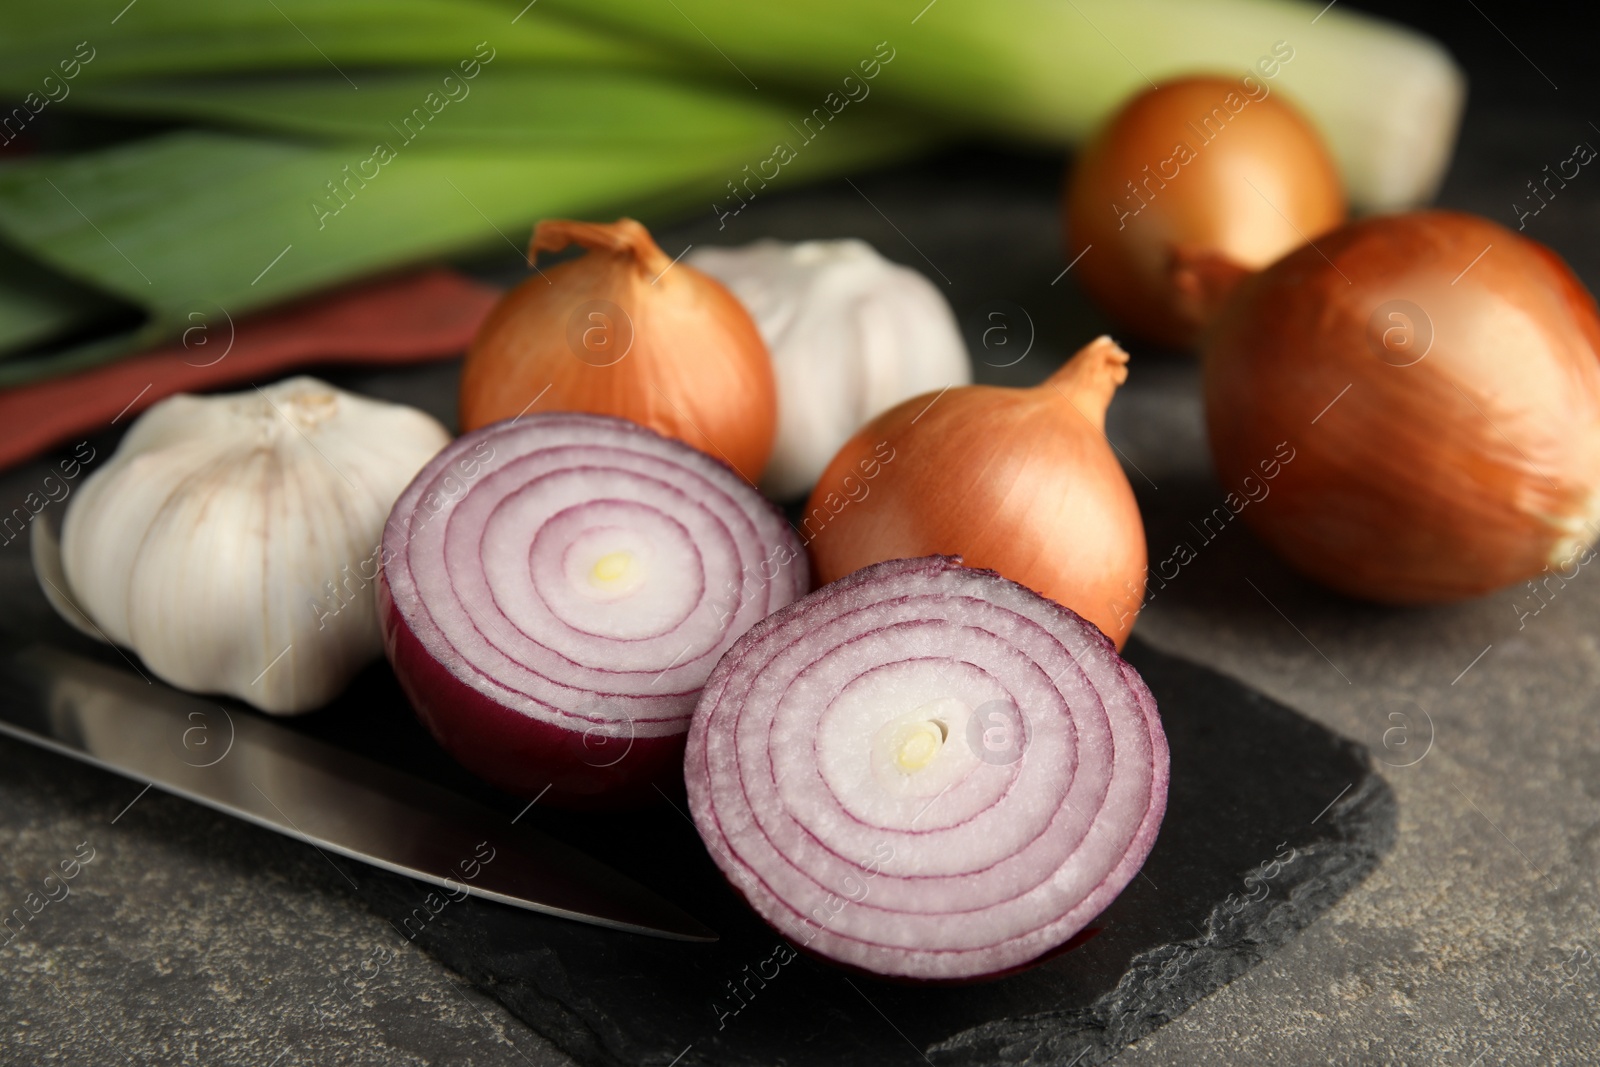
{"x": 428, "y": 315}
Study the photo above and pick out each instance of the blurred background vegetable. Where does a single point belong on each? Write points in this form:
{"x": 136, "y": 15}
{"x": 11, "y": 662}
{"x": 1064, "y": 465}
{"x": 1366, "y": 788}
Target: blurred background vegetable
{"x": 1188, "y": 188}
{"x": 496, "y": 114}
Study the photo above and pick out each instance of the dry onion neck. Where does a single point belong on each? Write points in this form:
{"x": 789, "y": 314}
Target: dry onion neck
{"x": 625, "y": 238}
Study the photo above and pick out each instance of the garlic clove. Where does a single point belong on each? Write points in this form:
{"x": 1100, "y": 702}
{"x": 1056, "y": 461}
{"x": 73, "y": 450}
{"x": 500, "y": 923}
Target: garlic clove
{"x": 44, "y": 550}
{"x": 851, "y": 335}
{"x": 232, "y": 540}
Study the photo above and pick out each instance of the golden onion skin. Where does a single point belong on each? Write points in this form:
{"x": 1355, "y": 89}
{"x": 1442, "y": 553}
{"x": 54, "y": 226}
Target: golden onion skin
{"x": 1018, "y": 481}
{"x": 624, "y": 331}
{"x": 1438, "y": 380}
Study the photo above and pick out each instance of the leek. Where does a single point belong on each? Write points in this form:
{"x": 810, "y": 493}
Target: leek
{"x": 164, "y": 38}
{"x": 505, "y": 107}
{"x": 36, "y": 305}
{"x": 1387, "y": 99}
{"x": 590, "y": 107}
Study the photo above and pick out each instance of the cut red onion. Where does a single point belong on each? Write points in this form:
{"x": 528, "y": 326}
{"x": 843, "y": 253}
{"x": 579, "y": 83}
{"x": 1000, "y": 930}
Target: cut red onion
{"x": 555, "y": 590}
{"x": 927, "y": 771}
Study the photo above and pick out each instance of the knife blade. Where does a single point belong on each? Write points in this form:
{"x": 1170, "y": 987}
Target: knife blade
{"x": 245, "y": 765}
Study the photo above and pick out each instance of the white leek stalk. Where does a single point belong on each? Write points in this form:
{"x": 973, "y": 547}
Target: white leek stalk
{"x": 1388, "y": 99}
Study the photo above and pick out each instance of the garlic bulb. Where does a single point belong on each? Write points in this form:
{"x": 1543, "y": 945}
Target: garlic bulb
{"x": 851, "y": 335}
{"x": 232, "y": 540}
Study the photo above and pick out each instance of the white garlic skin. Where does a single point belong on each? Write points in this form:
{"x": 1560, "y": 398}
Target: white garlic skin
{"x": 851, "y": 335}
{"x": 209, "y": 540}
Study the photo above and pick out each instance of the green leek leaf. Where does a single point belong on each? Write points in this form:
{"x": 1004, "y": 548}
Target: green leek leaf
{"x": 196, "y": 221}
{"x": 170, "y": 37}
{"x": 502, "y": 107}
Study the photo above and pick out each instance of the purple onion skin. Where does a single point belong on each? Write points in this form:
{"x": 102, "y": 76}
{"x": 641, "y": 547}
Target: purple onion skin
{"x": 515, "y": 752}
{"x": 520, "y": 753}
{"x": 1077, "y": 940}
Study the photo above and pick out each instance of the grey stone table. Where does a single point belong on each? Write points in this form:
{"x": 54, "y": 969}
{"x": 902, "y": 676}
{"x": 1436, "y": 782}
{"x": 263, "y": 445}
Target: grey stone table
{"x": 192, "y": 938}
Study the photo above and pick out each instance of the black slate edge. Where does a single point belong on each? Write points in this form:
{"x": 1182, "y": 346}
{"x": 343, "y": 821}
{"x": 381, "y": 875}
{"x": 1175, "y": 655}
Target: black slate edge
{"x": 1248, "y": 772}
{"x": 1235, "y": 941}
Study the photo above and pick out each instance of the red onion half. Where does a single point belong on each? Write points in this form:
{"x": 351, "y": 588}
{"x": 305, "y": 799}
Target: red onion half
{"x": 926, "y": 771}
{"x": 555, "y": 590}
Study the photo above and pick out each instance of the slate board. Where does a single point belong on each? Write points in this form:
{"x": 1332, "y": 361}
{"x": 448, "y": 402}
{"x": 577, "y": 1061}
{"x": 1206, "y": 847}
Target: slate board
{"x": 1271, "y": 819}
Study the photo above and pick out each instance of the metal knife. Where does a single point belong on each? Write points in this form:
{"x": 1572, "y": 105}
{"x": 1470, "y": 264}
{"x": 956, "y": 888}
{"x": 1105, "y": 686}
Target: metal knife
{"x": 248, "y": 766}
